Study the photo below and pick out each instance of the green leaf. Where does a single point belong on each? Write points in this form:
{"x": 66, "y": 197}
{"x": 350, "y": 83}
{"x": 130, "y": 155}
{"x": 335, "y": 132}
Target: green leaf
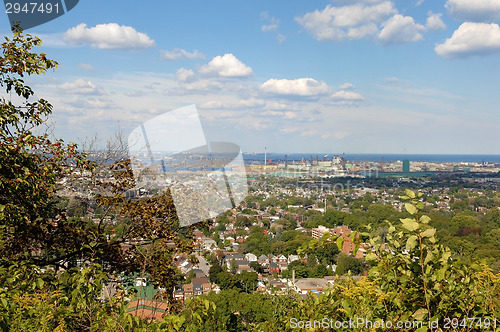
{"x": 371, "y": 257}
{"x": 445, "y": 256}
{"x": 410, "y": 224}
{"x": 340, "y": 242}
{"x": 428, "y": 232}
{"x": 409, "y": 193}
{"x": 4, "y": 303}
{"x": 411, "y": 242}
{"x": 410, "y": 208}
{"x": 440, "y": 274}
{"x": 313, "y": 243}
{"x": 420, "y": 314}
{"x": 207, "y": 304}
{"x": 425, "y": 219}
{"x": 428, "y": 257}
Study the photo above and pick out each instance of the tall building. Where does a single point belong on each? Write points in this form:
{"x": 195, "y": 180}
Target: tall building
{"x": 406, "y": 166}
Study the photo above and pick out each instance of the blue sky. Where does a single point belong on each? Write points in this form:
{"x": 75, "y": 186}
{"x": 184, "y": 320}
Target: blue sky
{"x": 354, "y": 76}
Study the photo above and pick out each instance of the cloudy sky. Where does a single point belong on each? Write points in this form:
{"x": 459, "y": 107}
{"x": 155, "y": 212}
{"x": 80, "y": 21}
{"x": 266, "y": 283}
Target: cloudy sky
{"x": 354, "y": 76}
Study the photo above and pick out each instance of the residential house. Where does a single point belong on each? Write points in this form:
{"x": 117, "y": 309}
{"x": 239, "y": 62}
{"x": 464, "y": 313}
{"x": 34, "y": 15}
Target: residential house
{"x": 251, "y": 257}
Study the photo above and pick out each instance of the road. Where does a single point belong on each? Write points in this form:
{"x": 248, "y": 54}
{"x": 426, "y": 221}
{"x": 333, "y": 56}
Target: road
{"x": 203, "y": 264}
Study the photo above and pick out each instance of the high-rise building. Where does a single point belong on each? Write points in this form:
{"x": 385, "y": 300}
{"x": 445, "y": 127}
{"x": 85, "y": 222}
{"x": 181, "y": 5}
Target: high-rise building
{"x": 406, "y": 166}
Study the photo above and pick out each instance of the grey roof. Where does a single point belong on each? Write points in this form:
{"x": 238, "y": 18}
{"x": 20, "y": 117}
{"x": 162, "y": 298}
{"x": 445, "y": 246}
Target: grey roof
{"x": 234, "y": 256}
{"x": 311, "y": 283}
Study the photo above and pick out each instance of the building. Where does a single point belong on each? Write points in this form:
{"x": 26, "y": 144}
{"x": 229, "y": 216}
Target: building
{"x": 406, "y": 166}
{"x": 317, "y": 233}
{"x": 316, "y": 285}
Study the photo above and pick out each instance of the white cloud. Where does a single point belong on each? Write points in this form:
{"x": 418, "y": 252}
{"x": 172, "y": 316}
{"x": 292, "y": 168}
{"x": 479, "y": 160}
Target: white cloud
{"x": 434, "y": 22}
{"x": 346, "y": 86}
{"x": 212, "y": 104}
{"x": 341, "y": 134}
{"x": 200, "y": 85}
{"x": 108, "y": 36}
{"x": 474, "y": 10}
{"x": 337, "y": 134}
{"x": 297, "y": 87}
{"x": 471, "y": 39}
{"x": 85, "y": 66}
{"x": 362, "y": 31}
{"x": 273, "y": 24}
{"x": 353, "y": 21}
{"x": 91, "y": 103}
{"x": 347, "y": 96}
{"x": 226, "y": 66}
{"x": 263, "y": 104}
{"x": 401, "y": 29}
{"x": 252, "y": 102}
{"x": 264, "y": 15}
{"x": 186, "y": 75}
{"x": 392, "y": 80}
{"x": 178, "y": 53}
{"x": 80, "y": 86}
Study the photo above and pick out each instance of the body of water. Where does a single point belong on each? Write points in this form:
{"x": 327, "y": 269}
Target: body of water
{"x": 441, "y": 158}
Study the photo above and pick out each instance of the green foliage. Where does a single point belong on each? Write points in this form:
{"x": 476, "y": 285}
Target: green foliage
{"x": 244, "y": 281}
{"x": 35, "y": 300}
{"x": 420, "y": 279}
{"x": 413, "y": 278}
{"x": 257, "y": 267}
{"x": 349, "y": 264}
{"x": 32, "y": 164}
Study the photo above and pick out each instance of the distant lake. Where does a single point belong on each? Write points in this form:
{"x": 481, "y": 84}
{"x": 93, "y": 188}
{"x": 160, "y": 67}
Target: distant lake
{"x": 442, "y": 158}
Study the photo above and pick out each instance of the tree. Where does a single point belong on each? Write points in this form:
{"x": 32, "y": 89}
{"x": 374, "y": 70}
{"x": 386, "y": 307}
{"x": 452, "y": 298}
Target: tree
{"x": 247, "y": 281}
{"x": 346, "y": 263}
{"x": 319, "y": 271}
{"x": 32, "y": 227}
{"x": 35, "y": 232}
{"x": 213, "y": 273}
{"x": 257, "y": 267}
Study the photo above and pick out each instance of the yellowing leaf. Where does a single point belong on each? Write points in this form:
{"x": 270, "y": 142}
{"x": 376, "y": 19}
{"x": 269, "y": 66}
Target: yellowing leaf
{"x": 425, "y": 219}
{"x": 409, "y": 193}
{"x": 410, "y": 208}
{"x": 411, "y": 242}
{"x": 340, "y": 243}
{"x": 440, "y": 274}
{"x": 429, "y": 232}
{"x": 428, "y": 257}
{"x": 420, "y": 314}
{"x": 410, "y": 224}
